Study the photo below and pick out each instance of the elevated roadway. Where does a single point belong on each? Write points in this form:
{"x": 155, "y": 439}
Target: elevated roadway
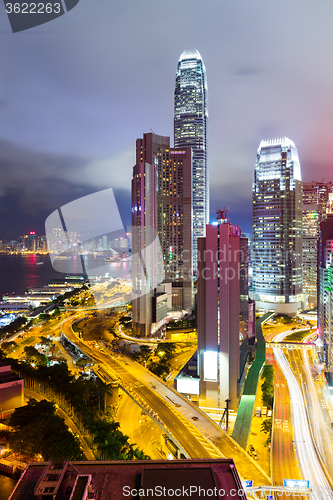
{"x": 246, "y": 407}
{"x": 194, "y": 430}
{"x": 295, "y": 451}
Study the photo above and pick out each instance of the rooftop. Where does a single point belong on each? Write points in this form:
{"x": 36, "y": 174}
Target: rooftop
{"x": 190, "y": 54}
{"x": 278, "y": 141}
{"x": 105, "y": 480}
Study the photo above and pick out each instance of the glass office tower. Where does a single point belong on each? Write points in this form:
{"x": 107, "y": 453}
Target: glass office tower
{"x": 277, "y": 227}
{"x": 315, "y": 200}
{"x": 190, "y": 130}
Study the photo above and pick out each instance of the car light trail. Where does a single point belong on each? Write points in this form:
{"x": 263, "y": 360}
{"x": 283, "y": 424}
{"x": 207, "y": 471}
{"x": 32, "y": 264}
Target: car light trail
{"x": 307, "y": 457}
{"x": 320, "y": 426}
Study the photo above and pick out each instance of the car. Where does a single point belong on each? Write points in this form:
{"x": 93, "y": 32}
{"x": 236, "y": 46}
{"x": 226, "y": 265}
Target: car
{"x": 252, "y": 452}
{"x": 269, "y": 413}
{"x": 195, "y": 418}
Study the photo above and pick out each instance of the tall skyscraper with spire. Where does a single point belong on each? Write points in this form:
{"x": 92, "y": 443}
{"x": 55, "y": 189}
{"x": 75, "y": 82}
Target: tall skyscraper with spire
{"x": 190, "y": 130}
{"x": 277, "y": 227}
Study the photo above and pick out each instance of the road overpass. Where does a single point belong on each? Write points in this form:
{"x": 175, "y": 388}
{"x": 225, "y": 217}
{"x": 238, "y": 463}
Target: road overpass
{"x": 200, "y": 436}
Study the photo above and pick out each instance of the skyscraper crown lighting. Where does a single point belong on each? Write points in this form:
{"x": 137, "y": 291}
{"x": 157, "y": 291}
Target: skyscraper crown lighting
{"x": 278, "y": 141}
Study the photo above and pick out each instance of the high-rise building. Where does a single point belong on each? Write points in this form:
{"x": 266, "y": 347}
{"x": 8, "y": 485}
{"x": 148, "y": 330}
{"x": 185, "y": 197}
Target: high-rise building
{"x": 32, "y": 241}
{"x": 315, "y": 199}
{"x": 174, "y": 208}
{"x": 277, "y": 227}
{"x": 222, "y": 313}
{"x": 190, "y": 130}
{"x": 325, "y": 292}
{"x": 174, "y": 212}
{"x": 144, "y": 230}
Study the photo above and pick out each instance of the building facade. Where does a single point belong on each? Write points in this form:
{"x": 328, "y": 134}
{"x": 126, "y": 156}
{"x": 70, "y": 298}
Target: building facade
{"x": 190, "y": 130}
{"x": 99, "y": 480}
{"x": 144, "y": 232}
{"x": 11, "y": 390}
{"x": 325, "y": 292}
{"x": 174, "y": 188}
{"x": 277, "y": 227}
{"x": 221, "y": 313}
{"x": 315, "y": 201}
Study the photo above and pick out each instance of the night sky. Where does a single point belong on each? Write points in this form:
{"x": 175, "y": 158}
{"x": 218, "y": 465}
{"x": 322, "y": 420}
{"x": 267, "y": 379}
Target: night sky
{"x": 76, "y": 93}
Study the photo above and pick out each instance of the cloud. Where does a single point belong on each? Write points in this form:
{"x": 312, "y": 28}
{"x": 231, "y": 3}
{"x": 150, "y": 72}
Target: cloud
{"x": 114, "y": 171}
{"x": 35, "y": 184}
{"x": 246, "y": 71}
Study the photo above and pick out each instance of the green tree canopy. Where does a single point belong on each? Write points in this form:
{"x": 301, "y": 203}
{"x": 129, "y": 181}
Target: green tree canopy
{"x": 45, "y": 340}
{"x": 83, "y": 362}
{"x": 166, "y": 350}
{"x": 39, "y": 430}
{"x": 268, "y": 373}
{"x": 33, "y": 356}
{"x": 112, "y": 444}
{"x": 8, "y": 347}
{"x": 267, "y": 386}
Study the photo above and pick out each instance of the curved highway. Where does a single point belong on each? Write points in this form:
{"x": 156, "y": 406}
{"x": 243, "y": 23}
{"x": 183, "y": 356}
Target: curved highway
{"x": 173, "y": 410}
{"x": 310, "y": 466}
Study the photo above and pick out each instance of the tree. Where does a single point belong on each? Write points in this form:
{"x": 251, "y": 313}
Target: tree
{"x": 45, "y": 340}
{"x": 165, "y": 350}
{"x": 39, "y": 430}
{"x": 112, "y": 444}
{"x": 44, "y": 316}
{"x": 160, "y": 369}
{"x": 268, "y": 373}
{"x": 267, "y": 386}
{"x": 56, "y": 312}
{"x": 82, "y": 362}
{"x": 143, "y": 354}
{"x": 8, "y": 347}
{"x": 266, "y": 427}
{"x": 33, "y": 356}
{"x": 14, "y": 326}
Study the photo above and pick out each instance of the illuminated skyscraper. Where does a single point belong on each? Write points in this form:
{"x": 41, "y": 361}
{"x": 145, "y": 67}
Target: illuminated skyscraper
{"x": 277, "y": 227}
{"x": 174, "y": 212}
{"x": 32, "y": 241}
{"x": 162, "y": 209}
{"x": 190, "y": 130}
{"x": 315, "y": 200}
{"x": 325, "y": 295}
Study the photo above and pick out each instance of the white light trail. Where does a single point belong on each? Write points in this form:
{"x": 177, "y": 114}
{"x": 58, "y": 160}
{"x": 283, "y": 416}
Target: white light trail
{"x": 318, "y": 417}
{"x": 307, "y": 457}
